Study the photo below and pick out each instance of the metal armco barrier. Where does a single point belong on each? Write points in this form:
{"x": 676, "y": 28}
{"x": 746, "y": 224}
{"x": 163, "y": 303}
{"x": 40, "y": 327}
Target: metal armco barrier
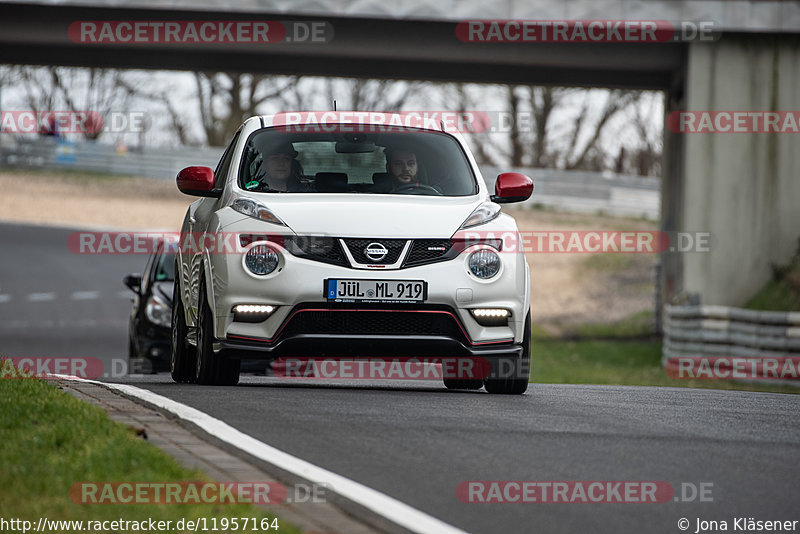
{"x": 708, "y": 332}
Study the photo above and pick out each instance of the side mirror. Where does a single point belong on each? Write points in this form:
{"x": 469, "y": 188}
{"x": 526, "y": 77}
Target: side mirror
{"x": 512, "y": 187}
{"x": 197, "y": 181}
{"x": 133, "y": 281}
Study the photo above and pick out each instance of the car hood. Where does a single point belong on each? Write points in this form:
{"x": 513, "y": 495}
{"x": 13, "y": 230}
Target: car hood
{"x": 373, "y": 215}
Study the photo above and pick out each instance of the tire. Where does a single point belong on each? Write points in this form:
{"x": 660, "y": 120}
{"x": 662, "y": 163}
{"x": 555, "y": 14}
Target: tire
{"x": 515, "y": 382}
{"x": 134, "y": 364}
{"x": 131, "y": 349}
{"x": 211, "y": 369}
{"x": 182, "y": 357}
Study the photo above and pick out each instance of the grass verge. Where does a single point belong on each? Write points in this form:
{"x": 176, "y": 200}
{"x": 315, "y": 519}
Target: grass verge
{"x": 52, "y": 440}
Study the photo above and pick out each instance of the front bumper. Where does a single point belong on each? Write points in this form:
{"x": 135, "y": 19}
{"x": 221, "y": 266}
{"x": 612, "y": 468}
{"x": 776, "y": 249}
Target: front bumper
{"x": 298, "y": 280}
{"x": 154, "y": 342}
{"x": 359, "y": 346}
{"x": 319, "y": 329}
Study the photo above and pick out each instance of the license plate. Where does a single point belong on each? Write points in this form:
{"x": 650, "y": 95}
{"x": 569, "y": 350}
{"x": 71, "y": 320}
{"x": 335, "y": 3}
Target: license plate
{"x": 379, "y": 291}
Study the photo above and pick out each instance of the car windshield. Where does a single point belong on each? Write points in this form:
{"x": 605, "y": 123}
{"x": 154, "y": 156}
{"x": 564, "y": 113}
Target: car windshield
{"x": 165, "y": 270}
{"x": 411, "y": 162}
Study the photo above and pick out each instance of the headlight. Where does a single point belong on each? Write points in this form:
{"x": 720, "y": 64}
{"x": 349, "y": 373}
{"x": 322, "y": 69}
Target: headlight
{"x": 484, "y": 213}
{"x": 157, "y": 311}
{"x": 484, "y": 263}
{"x": 251, "y": 208}
{"x": 261, "y": 260}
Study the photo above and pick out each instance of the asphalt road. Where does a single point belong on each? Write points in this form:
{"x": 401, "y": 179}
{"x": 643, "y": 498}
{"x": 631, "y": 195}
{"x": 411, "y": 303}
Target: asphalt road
{"x": 56, "y": 303}
{"x": 416, "y": 441}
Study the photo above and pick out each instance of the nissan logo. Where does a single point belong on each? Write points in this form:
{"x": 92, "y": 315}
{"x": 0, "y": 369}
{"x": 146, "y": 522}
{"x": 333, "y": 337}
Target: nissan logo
{"x": 376, "y": 251}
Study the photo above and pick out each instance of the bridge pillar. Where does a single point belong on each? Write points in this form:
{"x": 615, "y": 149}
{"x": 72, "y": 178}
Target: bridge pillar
{"x": 744, "y": 188}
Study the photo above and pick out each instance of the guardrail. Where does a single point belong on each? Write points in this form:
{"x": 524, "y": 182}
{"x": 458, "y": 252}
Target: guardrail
{"x": 160, "y": 163}
{"x": 713, "y": 334}
{"x": 590, "y": 192}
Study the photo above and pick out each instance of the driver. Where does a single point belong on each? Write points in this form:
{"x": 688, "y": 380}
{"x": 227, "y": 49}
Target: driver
{"x": 405, "y": 175}
{"x": 402, "y": 167}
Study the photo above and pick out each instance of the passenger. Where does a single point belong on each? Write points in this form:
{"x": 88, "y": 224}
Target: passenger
{"x": 279, "y": 172}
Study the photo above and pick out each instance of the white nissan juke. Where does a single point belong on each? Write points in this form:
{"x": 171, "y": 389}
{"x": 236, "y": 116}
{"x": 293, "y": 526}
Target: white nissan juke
{"x": 349, "y": 240}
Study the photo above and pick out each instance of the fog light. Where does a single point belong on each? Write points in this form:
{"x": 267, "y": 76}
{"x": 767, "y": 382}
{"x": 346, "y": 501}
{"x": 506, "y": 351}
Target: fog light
{"x": 252, "y": 313}
{"x": 491, "y": 316}
{"x": 253, "y": 308}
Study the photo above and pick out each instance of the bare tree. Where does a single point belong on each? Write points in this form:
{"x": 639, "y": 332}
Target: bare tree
{"x": 364, "y": 95}
{"x": 227, "y": 99}
{"x": 557, "y": 127}
{"x": 100, "y": 91}
{"x": 525, "y": 139}
{"x": 646, "y": 159}
{"x": 484, "y": 152}
{"x": 224, "y": 100}
{"x": 576, "y": 154}
{"x": 177, "y": 122}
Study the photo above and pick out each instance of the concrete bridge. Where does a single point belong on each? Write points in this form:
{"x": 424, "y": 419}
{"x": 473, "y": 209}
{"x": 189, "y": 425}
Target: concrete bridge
{"x": 744, "y": 188}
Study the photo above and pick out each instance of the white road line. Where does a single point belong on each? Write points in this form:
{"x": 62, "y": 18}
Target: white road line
{"x": 84, "y": 295}
{"x": 125, "y": 294}
{"x": 379, "y": 503}
{"x": 41, "y": 297}
{"x": 5, "y": 298}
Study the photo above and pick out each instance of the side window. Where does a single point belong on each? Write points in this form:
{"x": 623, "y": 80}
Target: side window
{"x": 221, "y": 172}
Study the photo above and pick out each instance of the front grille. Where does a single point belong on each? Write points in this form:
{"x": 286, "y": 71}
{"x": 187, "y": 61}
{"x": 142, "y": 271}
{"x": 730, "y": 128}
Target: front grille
{"x": 369, "y": 322}
{"x": 428, "y": 251}
{"x": 357, "y": 246}
{"x": 322, "y": 249}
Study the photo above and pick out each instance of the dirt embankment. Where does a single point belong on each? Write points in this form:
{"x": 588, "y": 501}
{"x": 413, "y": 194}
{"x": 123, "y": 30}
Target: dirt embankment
{"x": 131, "y": 203}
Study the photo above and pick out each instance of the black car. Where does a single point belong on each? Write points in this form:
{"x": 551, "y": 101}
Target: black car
{"x": 149, "y": 327}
